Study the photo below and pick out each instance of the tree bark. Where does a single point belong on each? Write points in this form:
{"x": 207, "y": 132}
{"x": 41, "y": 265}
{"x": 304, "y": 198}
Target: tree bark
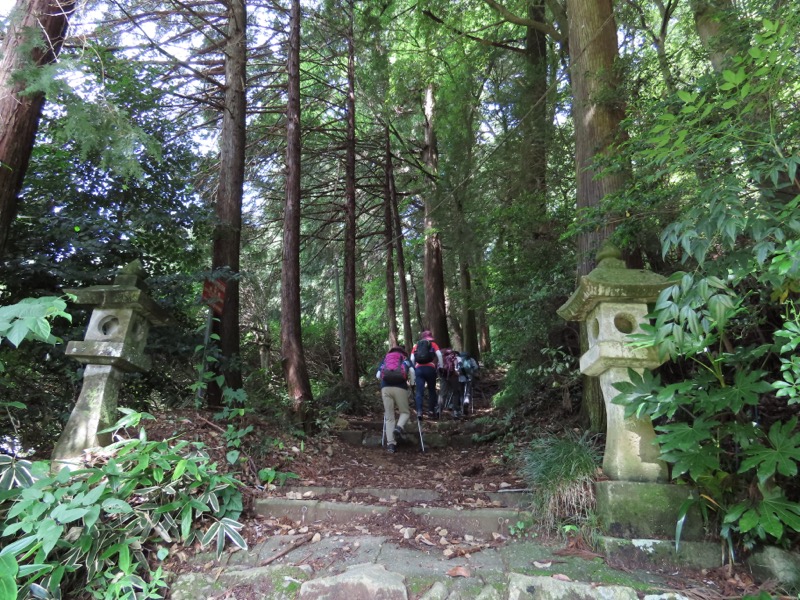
{"x": 295, "y": 371}
{"x": 350, "y": 356}
{"x": 435, "y": 306}
{"x": 535, "y": 120}
{"x": 391, "y": 298}
{"x": 485, "y": 338}
{"x": 228, "y": 205}
{"x": 408, "y": 335}
{"x": 44, "y": 22}
{"x": 469, "y": 330}
{"x": 597, "y": 113}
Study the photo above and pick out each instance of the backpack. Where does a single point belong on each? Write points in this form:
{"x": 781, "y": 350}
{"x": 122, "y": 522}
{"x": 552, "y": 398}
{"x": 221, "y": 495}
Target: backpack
{"x": 449, "y": 361}
{"x": 393, "y": 371}
{"x": 468, "y": 365}
{"x": 424, "y": 352}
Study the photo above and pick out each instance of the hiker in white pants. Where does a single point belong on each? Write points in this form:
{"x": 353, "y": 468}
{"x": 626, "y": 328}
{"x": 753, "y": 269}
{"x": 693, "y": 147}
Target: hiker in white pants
{"x": 393, "y": 374}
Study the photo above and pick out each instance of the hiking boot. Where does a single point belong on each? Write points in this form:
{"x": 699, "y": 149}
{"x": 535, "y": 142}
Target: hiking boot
{"x": 391, "y": 448}
{"x": 399, "y": 434}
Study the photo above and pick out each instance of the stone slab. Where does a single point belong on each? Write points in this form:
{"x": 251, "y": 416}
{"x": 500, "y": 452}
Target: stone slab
{"x": 522, "y": 587}
{"x": 481, "y": 522}
{"x": 644, "y": 553}
{"x": 366, "y": 581}
{"x": 778, "y": 565}
{"x": 631, "y": 510}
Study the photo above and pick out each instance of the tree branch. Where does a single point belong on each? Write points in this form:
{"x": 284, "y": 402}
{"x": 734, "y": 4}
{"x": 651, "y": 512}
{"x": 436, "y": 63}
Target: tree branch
{"x": 545, "y": 28}
{"x": 480, "y": 40}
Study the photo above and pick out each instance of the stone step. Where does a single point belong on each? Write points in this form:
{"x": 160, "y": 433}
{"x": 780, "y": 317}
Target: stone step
{"x": 369, "y": 567}
{"x": 478, "y": 522}
{"x": 513, "y": 498}
{"x": 371, "y": 438}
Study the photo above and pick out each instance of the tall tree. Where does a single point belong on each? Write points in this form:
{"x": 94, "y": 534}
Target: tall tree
{"x": 721, "y": 32}
{"x": 597, "y": 110}
{"x": 388, "y": 235}
{"x": 294, "y": 363}
{"x": 398, "y": 237}
{"x": 230, "y": 189}
{"x": 435, "y": 307}
{"x": 34, "y": 39}
{"x": 350, "y": 354}
{"x": 597, "y": 113}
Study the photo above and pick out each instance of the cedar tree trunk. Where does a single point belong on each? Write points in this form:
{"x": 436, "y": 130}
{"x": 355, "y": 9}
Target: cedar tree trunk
{"x": 228, "y": 206}
{"x": 597, "y": 115}
{"x": 295, "y": 371}
{"x": 350, "y": 354}
{"x": 43, "y": 22}
{"x": 435, "y": 306}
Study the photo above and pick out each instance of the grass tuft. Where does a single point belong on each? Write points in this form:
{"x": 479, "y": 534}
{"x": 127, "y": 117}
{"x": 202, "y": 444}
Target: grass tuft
{"x": 560, "y": 472}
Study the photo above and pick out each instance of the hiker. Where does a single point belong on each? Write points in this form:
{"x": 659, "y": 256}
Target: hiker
{"x": 425, "y": 356}
{"x": 393, "y": 373}
{"x": 467, "y": 367}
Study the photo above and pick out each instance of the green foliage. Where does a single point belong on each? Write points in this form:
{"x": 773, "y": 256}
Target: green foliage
{"x": 720, "y": 157}
{"x": 788, "y": 386}
{"x": 270, "y": 475}
{"x": 88, "y": 529}
{"x": 560, "y": 472}
{"x": 14, "y": 472}
{"x": 522, "y": 529}
{"x": 29, "y": 319}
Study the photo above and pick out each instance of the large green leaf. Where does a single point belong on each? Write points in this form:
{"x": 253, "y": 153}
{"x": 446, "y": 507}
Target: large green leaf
{"x": 781, "y": 458}
{"x": 8, "y": 577}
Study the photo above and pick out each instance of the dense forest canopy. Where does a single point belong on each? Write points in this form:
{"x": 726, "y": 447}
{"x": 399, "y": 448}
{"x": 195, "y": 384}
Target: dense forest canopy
{"x": 360, "y": 171}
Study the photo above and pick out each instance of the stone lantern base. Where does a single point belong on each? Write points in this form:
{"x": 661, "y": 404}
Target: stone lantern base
{"x": 638, "y": 521}
{"x": 630, "y": 509}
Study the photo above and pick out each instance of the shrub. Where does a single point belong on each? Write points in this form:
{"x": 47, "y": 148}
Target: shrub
{"x": 560, "y": 472}
{"x": 89, "y": 529}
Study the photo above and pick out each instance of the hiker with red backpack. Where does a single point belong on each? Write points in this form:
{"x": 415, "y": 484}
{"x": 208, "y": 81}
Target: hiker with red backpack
{"x": 425, "y": 355}
{"x": 393, "y": 373}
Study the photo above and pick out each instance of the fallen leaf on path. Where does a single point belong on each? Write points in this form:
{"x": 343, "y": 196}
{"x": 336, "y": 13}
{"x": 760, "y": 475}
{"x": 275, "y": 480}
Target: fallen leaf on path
{"x": 459, "y": 572}
{"x": 561, "y": 577}
{"x": 542, "y": 565}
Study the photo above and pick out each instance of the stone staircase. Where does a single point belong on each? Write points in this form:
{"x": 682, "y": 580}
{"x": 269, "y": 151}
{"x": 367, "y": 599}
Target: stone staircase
{"x": 376, "y": 543}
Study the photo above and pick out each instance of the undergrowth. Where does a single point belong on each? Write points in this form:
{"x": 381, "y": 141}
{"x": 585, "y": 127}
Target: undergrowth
{"x": 560, "y": 472}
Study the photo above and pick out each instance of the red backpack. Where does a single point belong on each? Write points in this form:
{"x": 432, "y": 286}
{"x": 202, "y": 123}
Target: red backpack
{"x": 393, "y": 371}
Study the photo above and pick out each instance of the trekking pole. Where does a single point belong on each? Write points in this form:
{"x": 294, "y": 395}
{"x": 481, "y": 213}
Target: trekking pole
{"x": 421, "y": 441}
{"x": 383, "y": 433}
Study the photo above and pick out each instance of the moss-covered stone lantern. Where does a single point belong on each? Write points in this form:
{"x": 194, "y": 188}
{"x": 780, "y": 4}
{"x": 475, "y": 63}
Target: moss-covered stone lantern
{"x": 612, "y": 300}
{"x": 113, "y": 345}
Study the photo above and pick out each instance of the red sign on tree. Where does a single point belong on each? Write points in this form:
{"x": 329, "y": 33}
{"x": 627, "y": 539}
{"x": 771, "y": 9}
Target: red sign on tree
{"x": 214, "y": 295}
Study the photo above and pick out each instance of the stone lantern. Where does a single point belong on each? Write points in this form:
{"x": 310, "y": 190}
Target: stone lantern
{"x": 612, "y": 300}
{"x": 113, "y": 345}
{"x": 636, "y": 501}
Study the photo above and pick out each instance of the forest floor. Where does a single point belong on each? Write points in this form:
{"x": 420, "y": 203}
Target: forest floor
{"x": 326, "y": 460}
